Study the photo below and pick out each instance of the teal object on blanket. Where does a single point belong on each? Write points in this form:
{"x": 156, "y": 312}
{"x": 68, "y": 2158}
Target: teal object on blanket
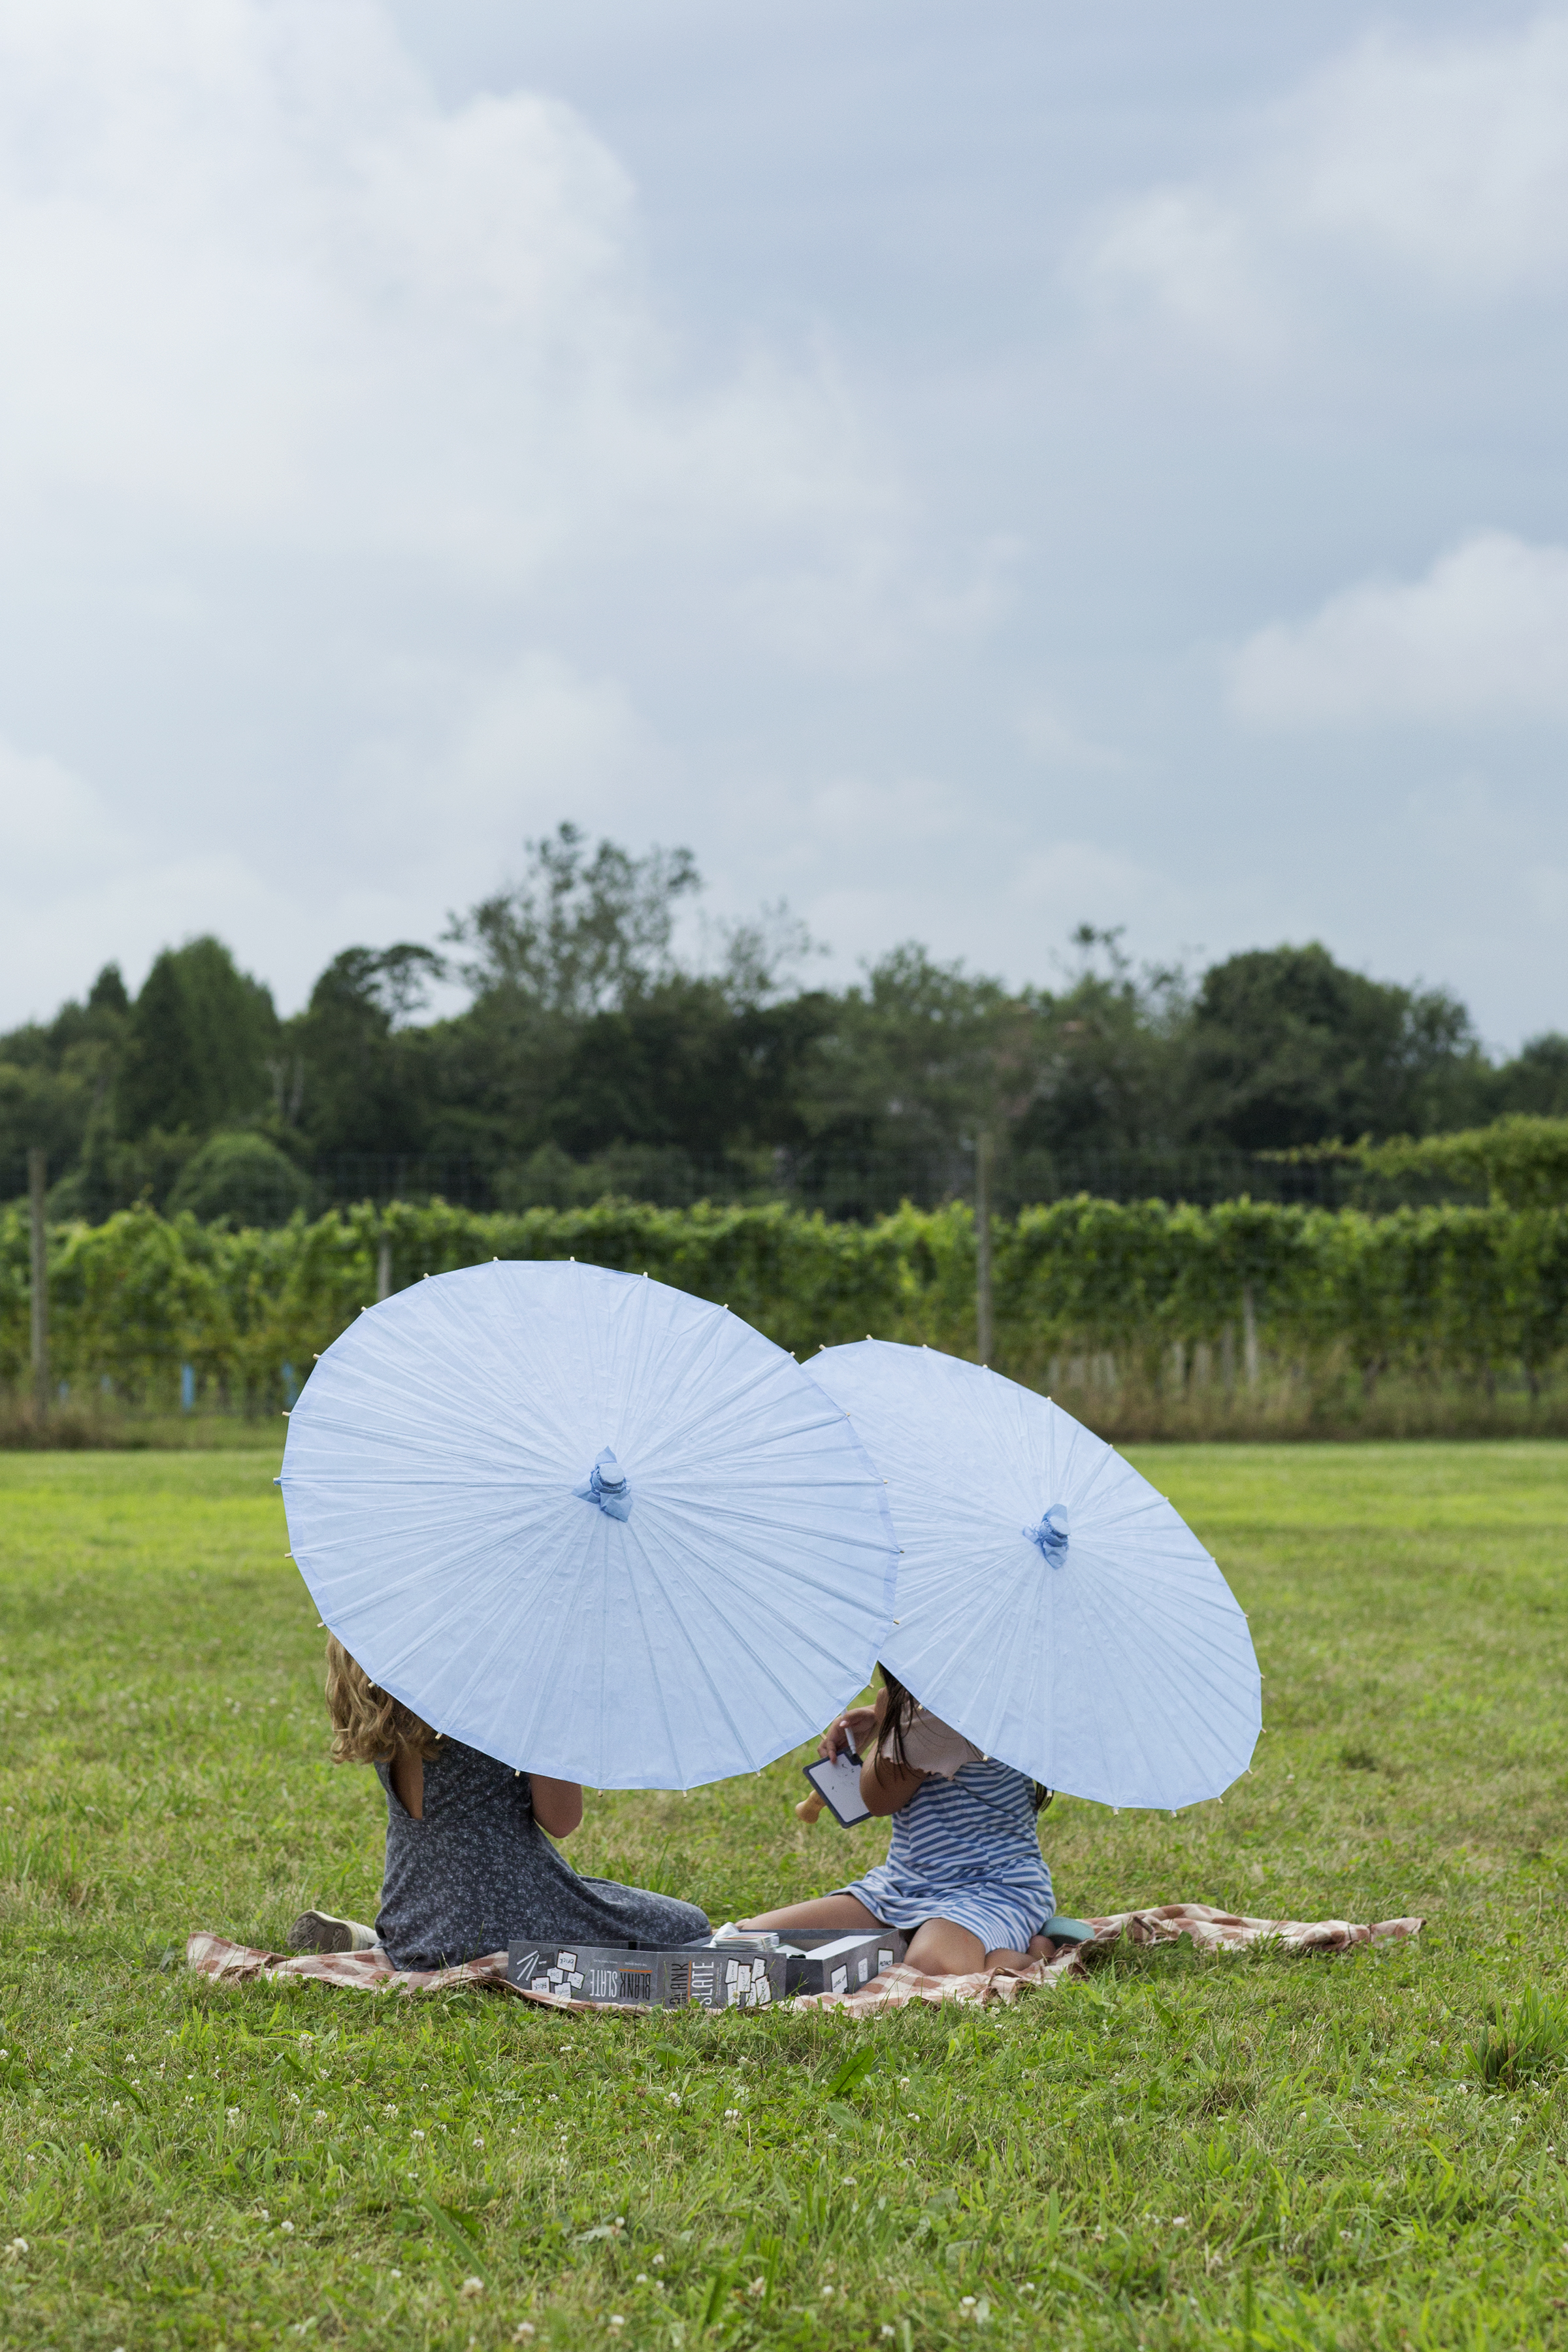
{"x": 1063, "y": 1930}
{"x": 589, "y": 1524}
{"x": 1052, "y": 1606}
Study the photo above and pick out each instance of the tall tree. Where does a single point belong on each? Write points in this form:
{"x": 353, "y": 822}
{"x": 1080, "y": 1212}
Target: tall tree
{"x": 1288, "y": 1047}
{"x": 353, "y": 1071}
{"x": 201, "y": 1039}
{"x": 579, "y": 933}
{"x": 1109, "y": 1047}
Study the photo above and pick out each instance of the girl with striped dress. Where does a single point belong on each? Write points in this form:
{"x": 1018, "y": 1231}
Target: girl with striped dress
{"x": 964, "y": 1878}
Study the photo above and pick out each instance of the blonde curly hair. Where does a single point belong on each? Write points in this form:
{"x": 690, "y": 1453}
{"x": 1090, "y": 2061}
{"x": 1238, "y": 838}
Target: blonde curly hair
{"x": 368, "y": 1725}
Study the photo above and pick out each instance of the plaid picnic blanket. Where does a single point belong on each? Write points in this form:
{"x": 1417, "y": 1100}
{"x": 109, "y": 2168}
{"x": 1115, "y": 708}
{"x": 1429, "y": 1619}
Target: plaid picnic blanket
{"x": 1210, "y": 1930}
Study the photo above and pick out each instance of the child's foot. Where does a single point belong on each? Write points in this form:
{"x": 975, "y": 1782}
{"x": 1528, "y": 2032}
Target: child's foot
{"x": 318, "y": 1931}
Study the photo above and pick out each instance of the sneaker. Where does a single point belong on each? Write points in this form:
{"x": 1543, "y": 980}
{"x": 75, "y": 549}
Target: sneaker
{"x": 318, "y": 1931}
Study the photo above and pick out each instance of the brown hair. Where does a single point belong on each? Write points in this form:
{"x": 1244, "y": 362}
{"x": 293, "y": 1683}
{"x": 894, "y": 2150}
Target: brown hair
{"x": 368, "y": 1725}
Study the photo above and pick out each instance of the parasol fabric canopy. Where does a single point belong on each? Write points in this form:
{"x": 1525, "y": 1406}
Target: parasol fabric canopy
{"x": 1052, "y": 1607}
{"x": 589, "y": 1524}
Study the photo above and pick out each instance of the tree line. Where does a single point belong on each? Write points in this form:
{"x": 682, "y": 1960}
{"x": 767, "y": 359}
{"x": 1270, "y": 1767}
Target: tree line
{"x": 590, "y": 1054}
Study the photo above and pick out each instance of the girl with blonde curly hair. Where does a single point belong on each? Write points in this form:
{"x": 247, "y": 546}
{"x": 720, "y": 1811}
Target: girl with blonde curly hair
{"x": 469, "y": 1861}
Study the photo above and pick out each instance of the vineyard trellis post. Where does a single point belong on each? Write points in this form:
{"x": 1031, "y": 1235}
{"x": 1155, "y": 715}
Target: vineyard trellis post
{"x": 37, "y": 1187}
{"x": 1250, "y": 1335}
{"x": 983, "y": 1330}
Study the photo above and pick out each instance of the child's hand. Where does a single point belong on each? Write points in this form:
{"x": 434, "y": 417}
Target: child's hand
{"x": 847, "y": 1734}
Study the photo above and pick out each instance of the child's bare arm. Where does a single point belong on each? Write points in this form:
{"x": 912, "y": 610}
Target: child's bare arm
{"x": 887, "y": 1786}
{"x": 557, "y": 1804}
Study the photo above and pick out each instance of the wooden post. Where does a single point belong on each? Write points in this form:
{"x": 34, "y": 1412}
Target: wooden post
{"x": 384, "y": 1268}
{"x": 37, "y": 1179}
{"x": 984, "y": 1333}
{"x": 1250, "y": 1335}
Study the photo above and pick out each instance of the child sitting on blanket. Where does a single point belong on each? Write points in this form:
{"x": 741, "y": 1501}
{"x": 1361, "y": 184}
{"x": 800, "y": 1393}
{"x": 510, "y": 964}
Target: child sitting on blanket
{"x": 965, "y": 1877}
{"x": 467, "y": 1868}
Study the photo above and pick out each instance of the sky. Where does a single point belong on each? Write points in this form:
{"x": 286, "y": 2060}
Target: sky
{"x": 968, "y": 470}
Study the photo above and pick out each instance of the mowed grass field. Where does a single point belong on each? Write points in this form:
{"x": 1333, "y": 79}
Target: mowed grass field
{"x": 1261, "y": 2150}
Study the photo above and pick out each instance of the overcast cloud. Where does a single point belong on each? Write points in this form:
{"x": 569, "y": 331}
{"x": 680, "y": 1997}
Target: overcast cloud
{"x": 969, "y": 471}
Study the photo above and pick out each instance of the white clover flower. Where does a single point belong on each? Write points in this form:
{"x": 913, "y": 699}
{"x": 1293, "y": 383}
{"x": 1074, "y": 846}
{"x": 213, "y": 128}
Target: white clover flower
{"x": 287, "y": 2228}
{"x": 470, "y": 2288}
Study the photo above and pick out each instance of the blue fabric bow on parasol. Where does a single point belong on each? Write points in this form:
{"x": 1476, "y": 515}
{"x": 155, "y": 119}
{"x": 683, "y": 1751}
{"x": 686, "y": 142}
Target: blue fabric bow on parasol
{"x": 725, "y": 1593}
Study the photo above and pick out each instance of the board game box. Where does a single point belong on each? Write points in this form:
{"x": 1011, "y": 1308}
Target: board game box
{"x": 838, "y": 1962}
{"x": 734, "y": 1974}
{"x": 722, "y": 1976}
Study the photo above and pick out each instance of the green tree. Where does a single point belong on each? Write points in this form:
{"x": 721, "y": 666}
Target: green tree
{"x": 354, "y": 1070}
{"x": 55, "y": 1080}
{"x": 200, "y": 1047}
{"x": 1109, "y": 1050}
{"x": 916, "y": 1057}
{"x": 579, "y": 933}
{"x": 1536, "y": 1080}
{"x": 1288, "y": 1047}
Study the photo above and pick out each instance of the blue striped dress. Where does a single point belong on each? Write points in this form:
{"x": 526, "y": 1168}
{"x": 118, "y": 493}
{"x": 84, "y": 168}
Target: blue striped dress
{"x": 965, "y": 1849}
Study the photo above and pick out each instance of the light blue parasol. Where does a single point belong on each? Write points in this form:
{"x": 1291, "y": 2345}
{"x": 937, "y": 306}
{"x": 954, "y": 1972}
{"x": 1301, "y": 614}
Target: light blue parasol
{"x": 1052, "y": 1607}
{"x": 589, "y": 1524}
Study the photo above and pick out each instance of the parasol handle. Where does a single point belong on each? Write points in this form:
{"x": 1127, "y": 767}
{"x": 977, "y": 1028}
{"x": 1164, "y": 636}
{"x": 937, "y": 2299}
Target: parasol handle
{"x": 809, "y": 1807}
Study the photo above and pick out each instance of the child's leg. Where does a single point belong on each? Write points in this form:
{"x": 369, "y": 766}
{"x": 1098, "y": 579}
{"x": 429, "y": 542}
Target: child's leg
{"x": 827, "y": 1911}
{"x": 939, "y": 1947}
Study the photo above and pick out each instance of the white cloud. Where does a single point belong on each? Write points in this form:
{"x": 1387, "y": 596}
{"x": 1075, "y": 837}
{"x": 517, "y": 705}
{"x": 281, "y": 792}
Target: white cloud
{"x": 1193, "y": 258}
{"x": 336, "y": 419}
{"x": 1052, "y": 739}
{"x": 1483, "y": 635}
{"x": 255, "y": 281}
{"x": 1451, "y": 155}
{"x": 52, "y": 824}
{"x": 1438, "y": 160}
{"x": 1086, "y": 881}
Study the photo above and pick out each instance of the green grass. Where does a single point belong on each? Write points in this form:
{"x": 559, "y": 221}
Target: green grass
{"x": 1353, "y": 2152}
